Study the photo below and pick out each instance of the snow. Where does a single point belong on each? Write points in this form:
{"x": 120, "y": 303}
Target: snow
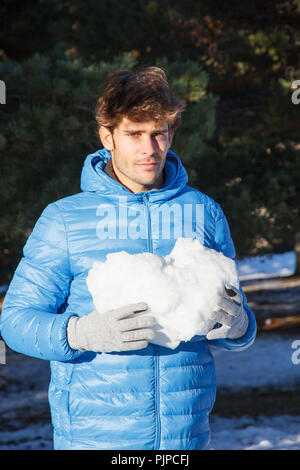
{"x": 24, "y": 411}
{"x": 267, "y": 266}
{"x": 262, "y": 433}
{"x": 193, "y": 276}
{"x": 267, "y": 363}
{"x": 266, "y": 366}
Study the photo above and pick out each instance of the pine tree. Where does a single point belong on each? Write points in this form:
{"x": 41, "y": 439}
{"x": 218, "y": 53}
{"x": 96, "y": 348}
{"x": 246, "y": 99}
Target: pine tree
{"x": 233, "y": 63}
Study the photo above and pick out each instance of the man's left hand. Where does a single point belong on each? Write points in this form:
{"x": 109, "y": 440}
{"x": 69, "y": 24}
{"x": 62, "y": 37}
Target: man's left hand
{"x": 231, "y": 315}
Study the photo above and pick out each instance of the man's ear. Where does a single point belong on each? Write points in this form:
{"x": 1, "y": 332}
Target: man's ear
{"x": 106, "y": 138}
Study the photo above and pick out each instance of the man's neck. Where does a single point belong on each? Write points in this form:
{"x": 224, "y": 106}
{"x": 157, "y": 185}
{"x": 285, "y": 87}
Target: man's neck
{"x": 109, "y": 170}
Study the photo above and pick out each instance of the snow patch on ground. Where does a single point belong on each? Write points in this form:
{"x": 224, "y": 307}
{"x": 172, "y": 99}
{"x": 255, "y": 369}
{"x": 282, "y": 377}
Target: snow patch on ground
{"x": 267, "y": 266}
{"x": 261, "y": 433}
{"x": 34, "y": 437}
{"x": 267, "y": 363}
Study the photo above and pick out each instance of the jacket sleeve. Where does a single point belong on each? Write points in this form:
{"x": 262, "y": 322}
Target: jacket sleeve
{"x": 224, "y": 244}
{"x": 31, "y": 322}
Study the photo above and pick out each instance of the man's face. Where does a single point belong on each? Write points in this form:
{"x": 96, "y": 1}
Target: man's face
{"x": 138, "y": 152}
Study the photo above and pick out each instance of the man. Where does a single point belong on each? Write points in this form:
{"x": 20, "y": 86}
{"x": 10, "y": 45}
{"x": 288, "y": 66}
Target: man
{"x": 111, "y": 388}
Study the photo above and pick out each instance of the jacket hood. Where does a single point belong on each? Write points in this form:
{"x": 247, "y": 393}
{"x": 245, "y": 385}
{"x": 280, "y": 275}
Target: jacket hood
{"x": 94, "y": 178}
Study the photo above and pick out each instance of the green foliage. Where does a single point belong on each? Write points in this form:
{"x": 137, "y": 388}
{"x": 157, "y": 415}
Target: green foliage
{"x": 232, "y": 62}
{"x": 44, "y": 137}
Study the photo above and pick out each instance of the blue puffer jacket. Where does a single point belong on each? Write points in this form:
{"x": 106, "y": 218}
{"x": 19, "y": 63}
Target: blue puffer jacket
{"x": 154, "y": 398}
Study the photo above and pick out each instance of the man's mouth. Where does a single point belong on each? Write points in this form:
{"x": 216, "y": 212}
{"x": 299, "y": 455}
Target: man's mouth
{"x": 147, "y": 164}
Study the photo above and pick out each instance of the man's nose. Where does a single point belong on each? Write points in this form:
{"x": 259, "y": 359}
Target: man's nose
{"x": 149, "y": 145}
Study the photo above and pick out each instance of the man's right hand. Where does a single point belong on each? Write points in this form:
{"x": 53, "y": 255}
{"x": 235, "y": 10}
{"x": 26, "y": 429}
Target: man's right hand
{"x": 122, "y": 329}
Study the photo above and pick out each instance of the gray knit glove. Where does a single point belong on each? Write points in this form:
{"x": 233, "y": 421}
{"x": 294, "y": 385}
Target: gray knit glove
{"x": 231, "y": 315}
{"x": 122, "y": 329}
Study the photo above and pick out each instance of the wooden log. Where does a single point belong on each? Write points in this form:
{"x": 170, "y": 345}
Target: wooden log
{"x": 278, "y": 323}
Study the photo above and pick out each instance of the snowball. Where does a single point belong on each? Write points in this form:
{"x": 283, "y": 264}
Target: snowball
{"x": 181, "y": 289}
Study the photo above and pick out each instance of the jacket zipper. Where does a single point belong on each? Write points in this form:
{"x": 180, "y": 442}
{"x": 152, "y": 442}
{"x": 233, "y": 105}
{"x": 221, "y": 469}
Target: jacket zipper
{"x": 146, "y": 203}
{"x": 156, "y": 358}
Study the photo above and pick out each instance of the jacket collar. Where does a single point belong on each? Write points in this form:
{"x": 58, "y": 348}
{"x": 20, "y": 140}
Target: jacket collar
{"x": 94, "y": 179}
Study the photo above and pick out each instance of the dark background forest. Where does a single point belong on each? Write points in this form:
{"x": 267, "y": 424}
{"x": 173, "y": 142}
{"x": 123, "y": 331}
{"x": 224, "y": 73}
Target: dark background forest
{"x": 233, "y": 62}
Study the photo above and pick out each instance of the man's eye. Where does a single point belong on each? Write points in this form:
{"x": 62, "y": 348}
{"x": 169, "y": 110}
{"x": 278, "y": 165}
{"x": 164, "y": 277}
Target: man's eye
{"x": 160, "y": 134}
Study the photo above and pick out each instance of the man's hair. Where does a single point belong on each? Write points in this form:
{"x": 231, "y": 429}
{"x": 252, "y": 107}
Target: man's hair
{"x": 139, "y": 96}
